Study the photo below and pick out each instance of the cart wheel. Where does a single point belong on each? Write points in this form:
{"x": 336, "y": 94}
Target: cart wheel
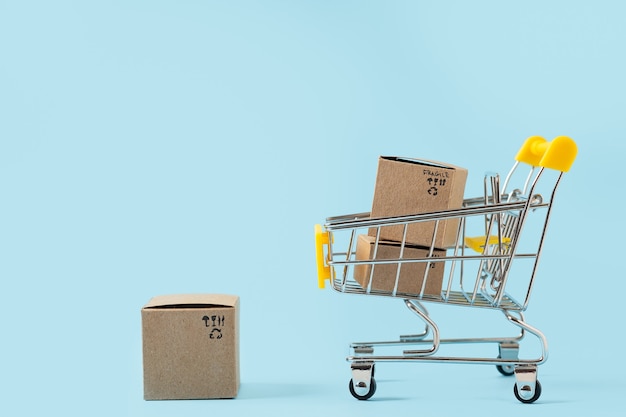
{"x": 531, "y": 399}
{"x": 367, "y": 395}
{"x": 506, "y": 370}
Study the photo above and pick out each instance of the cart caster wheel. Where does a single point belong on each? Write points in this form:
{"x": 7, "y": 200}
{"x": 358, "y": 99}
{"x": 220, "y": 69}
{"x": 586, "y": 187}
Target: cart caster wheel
{"x": 510, "y": 352}
{"x": 506, "y": 370}
{"x": 524, "y": 398}
{"x": 359, "y": 392}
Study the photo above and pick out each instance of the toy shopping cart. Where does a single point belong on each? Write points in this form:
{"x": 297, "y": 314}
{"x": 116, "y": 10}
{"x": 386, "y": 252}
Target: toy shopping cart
{"x": 493, "y": 270}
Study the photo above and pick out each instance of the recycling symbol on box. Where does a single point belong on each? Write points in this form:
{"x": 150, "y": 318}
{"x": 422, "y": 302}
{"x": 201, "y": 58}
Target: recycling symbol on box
{"x": 434, "y": 182}
{"x": 215, "y": 323}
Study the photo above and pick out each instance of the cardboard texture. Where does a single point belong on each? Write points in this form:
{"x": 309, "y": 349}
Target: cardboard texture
{"x": 407, "y": 186}
{"x": 411, "y": 274}
{"x": 191, "y": 346}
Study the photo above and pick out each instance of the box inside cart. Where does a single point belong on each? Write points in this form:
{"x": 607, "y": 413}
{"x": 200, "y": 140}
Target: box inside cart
{"x": 407, "y": 186}
{"x": 191, "y": 346}
{"x": 411, "y": 273}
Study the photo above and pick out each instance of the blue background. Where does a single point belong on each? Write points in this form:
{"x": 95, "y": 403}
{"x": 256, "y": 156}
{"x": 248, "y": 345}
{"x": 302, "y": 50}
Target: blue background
{"x": 154, "y": 147}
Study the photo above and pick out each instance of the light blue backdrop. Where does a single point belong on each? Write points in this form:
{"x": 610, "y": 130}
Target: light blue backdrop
{"x": 154, "y": 147}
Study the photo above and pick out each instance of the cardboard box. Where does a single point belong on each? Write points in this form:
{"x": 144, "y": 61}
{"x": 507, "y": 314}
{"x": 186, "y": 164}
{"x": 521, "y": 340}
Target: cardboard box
{"x": 411, "y": 274}
{"x": 407, "y": 186}
{"x": 191, "y": 346}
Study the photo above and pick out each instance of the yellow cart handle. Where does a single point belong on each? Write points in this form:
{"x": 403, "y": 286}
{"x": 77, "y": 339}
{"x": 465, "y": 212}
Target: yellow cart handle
{"x": 559, "y": 154}
{"x": 323, "y": 271}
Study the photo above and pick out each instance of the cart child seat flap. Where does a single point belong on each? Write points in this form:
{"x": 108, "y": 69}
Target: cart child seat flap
{"x": 479, "y": 243}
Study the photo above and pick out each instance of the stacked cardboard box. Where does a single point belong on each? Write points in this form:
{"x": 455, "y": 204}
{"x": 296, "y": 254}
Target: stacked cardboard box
{"x": 406, "y": 186}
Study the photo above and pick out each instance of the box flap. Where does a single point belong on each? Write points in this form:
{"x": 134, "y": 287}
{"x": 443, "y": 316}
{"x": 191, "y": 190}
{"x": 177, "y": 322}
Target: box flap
{"x": 426, "y": 162}
{"x": 192, "y": 300}
{"x": 370, "y": 240}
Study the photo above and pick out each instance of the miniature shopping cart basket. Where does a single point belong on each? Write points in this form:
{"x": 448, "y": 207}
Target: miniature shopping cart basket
{"x": 492, "y": 265}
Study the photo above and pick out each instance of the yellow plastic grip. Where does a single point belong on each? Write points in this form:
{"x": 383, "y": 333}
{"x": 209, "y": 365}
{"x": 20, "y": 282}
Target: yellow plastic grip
{"x": 323, "y": 271}
{"x": 559, "y": 154}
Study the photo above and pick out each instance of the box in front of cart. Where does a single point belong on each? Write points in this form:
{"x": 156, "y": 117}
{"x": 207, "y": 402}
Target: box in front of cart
{"x": 191, "y": 346}
{"x": 406, "y": 186}
{"x": 411, "y": 273}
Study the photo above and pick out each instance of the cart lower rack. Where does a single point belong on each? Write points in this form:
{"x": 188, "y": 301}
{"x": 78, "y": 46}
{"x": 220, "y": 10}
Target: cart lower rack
{"x": 494, "y": 270}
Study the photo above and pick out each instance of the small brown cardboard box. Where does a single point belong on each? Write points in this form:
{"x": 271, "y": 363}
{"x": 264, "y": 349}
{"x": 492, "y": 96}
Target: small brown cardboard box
{"x": 411, "y": 273}
{"x": 191, "y": 346}
{"x": 407, "y": 186}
